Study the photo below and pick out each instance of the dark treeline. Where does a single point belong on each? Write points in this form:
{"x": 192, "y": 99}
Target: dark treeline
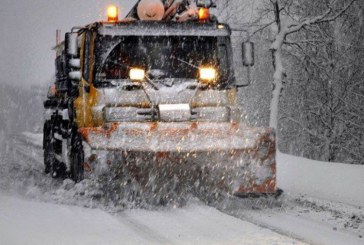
{"x": 321, "y": 112}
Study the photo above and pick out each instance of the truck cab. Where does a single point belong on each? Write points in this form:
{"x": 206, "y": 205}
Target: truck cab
{"x": 130, "y": 72}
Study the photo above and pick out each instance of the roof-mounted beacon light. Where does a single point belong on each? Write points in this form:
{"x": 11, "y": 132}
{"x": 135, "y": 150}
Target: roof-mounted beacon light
{"x": 204, "y": 9}
{"x": 204, "y": 14}
{"x": 112, "y": 13}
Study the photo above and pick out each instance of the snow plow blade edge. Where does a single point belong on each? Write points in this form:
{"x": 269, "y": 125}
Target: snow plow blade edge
{"x": 227, "y": 157}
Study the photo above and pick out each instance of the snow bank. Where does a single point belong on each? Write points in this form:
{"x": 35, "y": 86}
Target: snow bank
{"x": 329, "y": 181}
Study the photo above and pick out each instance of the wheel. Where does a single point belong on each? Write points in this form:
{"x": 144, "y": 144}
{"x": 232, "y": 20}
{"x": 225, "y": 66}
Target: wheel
{"x": 58, "y": 169}
{"x": 77, "y": 158}
{"x": 77, "y": 171}
{"x": 51, "y": 164}
{"x": 47, "y": 146}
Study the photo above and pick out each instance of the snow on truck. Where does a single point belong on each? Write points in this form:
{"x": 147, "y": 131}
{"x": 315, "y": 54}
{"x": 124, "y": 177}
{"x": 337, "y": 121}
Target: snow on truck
{"x": 155, "y": 94}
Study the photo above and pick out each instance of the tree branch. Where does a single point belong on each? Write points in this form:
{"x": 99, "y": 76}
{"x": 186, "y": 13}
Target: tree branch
{"x": 310, "y": 132}
{"x": 318, "y": 19}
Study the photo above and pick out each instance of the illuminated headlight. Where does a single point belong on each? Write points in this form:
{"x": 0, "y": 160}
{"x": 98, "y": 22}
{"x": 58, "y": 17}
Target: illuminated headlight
{"x": 208, "y": 74}
{"x": 137, "y": 74}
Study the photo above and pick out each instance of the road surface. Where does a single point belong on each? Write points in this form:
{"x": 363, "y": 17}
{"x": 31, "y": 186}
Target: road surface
{"x": 47, "y": 211}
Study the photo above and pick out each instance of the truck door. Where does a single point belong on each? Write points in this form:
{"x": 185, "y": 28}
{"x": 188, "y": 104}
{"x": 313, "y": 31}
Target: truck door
{"x": 87, "y": 93}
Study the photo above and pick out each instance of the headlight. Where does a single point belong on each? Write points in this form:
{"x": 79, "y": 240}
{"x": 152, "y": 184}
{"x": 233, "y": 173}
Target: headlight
{"x": 208, "y": 74}
{"x": 137, "y": 74}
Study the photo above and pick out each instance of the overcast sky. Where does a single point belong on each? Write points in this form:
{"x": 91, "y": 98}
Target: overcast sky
{"x": 28, "y": 33}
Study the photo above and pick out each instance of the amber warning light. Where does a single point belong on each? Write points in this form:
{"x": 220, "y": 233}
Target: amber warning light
{"x": 112, "y": 13}
{"x": 204, "y": 14}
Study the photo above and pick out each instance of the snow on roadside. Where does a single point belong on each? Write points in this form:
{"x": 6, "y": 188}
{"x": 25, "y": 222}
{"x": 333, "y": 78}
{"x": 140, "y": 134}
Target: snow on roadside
{"x": 312, "y": 220}
{"x": 323, "y": 203}
{"x": 336, "y": 182}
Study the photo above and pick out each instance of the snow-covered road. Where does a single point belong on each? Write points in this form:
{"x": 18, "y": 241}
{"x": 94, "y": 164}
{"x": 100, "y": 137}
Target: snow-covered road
{"x": 48, "y": 211}
{"x": 29, "y": 222}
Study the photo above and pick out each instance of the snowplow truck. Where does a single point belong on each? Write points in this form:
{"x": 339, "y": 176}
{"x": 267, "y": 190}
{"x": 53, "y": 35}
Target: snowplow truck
{"x": 157, "y": 91}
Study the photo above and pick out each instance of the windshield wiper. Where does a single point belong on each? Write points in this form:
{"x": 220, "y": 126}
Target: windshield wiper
{"x": 150, "y": 82}
{"x": 185, "y": 62}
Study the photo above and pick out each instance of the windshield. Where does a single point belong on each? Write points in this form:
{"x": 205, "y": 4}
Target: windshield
{"x": 162, "y": 57}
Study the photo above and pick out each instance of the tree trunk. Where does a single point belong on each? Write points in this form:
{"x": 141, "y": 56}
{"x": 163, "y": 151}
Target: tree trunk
{"x": 277, "y": 88}
{"x": 278, "y": 68}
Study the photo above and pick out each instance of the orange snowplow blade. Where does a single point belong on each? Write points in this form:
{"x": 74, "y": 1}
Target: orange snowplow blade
{"x": 226, "y": 156}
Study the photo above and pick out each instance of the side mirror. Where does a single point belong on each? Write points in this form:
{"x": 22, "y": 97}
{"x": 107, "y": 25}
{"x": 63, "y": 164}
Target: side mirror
{"x": 248, "y": 54}
{"x": 248, "y": 61}
{"x": 71, "y": 44}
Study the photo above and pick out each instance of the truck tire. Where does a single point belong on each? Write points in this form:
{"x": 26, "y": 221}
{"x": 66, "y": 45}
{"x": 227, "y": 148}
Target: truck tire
{"x": 51, "y": 164}
{"x": 77, "y": 159}
{"x": 49, "y": 157}
{"x": 58, "y": 169}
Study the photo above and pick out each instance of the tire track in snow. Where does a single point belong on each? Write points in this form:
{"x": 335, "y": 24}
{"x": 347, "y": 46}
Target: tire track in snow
{"x": 143, "y": 230}
{"x": 288, "y": 218}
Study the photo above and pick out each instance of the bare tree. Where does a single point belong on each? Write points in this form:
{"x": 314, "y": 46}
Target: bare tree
{"x": 286, "y": 24}
{"x": 317, "y": 63}
{"x": 326, "y": 64}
